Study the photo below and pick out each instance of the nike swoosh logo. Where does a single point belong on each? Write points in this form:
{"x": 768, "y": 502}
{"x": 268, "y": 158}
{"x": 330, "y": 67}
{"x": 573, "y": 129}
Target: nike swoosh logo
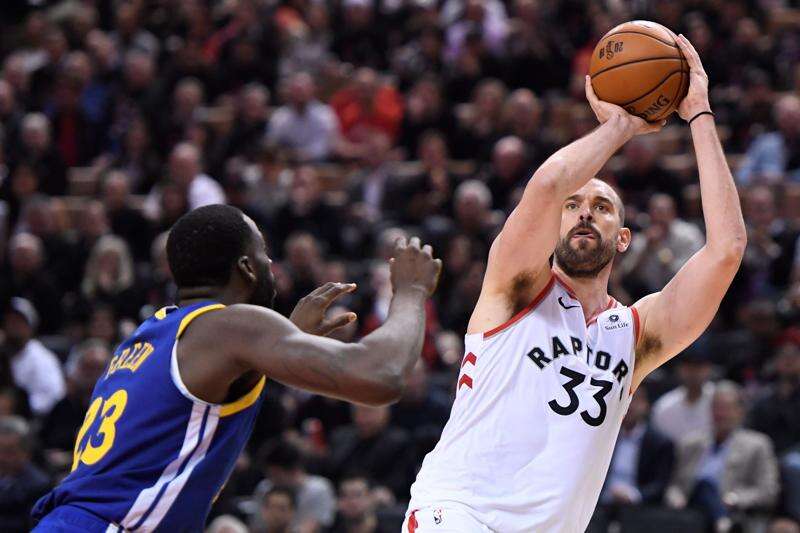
{"x": 565, "y": 306}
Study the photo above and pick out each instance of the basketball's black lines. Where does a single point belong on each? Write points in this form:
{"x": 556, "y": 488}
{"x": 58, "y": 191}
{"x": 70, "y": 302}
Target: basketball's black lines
{"x": 655, "y": 119}
{"x": 635, "y": 61}
{"x": 647, "y": 35}
{"x": 657, "y": 85}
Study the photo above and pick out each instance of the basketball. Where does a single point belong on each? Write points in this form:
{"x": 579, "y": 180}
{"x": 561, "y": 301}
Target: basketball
{"x": 638, "y": 65}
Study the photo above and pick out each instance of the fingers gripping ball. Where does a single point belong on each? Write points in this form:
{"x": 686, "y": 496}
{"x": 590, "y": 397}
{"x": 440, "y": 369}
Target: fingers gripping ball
{"x": 638, "y": 65}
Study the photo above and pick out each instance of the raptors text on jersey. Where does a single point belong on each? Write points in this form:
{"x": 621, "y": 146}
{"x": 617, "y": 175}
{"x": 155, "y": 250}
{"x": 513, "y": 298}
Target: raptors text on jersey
{"x": 538, "y": 407}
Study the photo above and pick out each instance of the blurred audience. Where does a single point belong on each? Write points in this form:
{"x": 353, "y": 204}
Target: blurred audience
{"x": 339, "y": 127}
{"x": 727, "y": 473}
{"x": 21, "y": 481}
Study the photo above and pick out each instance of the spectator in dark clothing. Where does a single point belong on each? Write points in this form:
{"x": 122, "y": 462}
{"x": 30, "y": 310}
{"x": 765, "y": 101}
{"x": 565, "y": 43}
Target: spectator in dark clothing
{"x": 373, "y": 445}
{"x": 41, "y": 217}
{"x": 473, "y": 215}
{"x": 422, "y": 411}
{"x": 84, "y": 367}
{"x": 778, "y": 413}
{"x": 642, "y": 462}
{"x": 306, "y": 210}
{"x": 157, "y": 286}
{"x": 790, "y": 477}
{"x": 277, "y": 511}
{"x": 771, "y": 244}
{"x": 282, "y": 463}
{"x": 425, "y": 109}
{"x": 644, "y": 175}
{"x": 137, "y": 157}
{"x": 75, "y": 134}
{"x": 536, "y": 58}
{"x": 38, "y": 151}
{"x": 522, "y": 118}
{"x": 249, "y": 125}
{"x": 357, "y": 508}
{"x": 361, "y": 38}
{"x": 509, "y": 169}
{"x": 126, "y": 221}
{"x": 428, "y": 193}
{"x": 21, "y": 482}
{"x": 422, "y": 408}
{"x": 26, "y": 277}
{"x": 369, "y": 194}
{"x": 479, "y": 121}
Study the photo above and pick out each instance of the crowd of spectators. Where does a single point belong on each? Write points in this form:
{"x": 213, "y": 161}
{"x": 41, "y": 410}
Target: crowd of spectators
{"x": 339, "y": 125}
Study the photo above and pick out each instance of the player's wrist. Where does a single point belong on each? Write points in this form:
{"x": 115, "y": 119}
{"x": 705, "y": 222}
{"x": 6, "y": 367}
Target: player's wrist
{"x": 622, "y": 128}
{"x": 412, "y": 291}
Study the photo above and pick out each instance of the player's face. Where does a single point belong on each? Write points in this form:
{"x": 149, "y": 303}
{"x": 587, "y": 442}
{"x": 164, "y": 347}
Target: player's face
{"x": 264, "y": 291}
{"x": 590, "y": 231}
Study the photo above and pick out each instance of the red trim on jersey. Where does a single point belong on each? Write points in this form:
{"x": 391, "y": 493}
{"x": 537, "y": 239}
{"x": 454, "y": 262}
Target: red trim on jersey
{"x": 465, "y": 380}
{"x": 530, "y": 307}
{"x": 469, "y": 358}
{"x": 412, "y": 523}
{"x": 635, "y": 314}
{"x": 611, "y": 303}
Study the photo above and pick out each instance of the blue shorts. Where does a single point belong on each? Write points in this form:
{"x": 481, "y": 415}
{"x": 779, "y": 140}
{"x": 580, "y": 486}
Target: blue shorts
{"x": 70, "y": 519}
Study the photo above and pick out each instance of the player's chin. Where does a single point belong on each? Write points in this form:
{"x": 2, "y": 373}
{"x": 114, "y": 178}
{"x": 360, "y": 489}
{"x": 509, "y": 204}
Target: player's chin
{"x": 583, "y": 243}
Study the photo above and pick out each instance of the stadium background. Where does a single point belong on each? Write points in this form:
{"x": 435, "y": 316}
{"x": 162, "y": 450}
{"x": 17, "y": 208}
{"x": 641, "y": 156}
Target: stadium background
{"x": 337, "y": 126}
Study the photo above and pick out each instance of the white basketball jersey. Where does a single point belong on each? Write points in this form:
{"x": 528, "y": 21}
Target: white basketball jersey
{"x": 538, "y": 408}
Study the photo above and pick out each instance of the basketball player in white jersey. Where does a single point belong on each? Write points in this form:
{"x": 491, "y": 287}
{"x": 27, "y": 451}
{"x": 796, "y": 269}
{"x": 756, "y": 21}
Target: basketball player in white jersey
{"x": 551, "y": 360}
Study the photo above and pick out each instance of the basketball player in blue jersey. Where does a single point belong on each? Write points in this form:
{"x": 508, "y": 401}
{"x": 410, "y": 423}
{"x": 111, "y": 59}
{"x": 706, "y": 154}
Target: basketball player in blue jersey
{"x": 176, "y": 404}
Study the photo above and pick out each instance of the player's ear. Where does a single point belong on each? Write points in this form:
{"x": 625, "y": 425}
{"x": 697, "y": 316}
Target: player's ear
{"x": 245, "y": 268}
{"x": 623, "y": 239}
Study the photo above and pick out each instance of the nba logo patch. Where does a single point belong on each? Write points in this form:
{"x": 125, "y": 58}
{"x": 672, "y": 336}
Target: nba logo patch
{"x": 437, "y": 516}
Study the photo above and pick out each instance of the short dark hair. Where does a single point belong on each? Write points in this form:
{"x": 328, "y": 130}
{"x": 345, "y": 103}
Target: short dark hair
{"x": 356, "y": 474}
{"x": 205, "y": 243}
{"x": 280, "y": 452}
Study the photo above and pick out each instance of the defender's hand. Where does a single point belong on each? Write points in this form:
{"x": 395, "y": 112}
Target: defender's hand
{"x": 309, "y": 313}
{"x": 605, "y": 111}
{"x": 413, "y": 267}
{"x": 696, "y": 99}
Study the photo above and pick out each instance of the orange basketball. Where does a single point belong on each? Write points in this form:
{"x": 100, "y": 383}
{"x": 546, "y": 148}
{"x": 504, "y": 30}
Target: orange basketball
{"x": 638, "y": 65}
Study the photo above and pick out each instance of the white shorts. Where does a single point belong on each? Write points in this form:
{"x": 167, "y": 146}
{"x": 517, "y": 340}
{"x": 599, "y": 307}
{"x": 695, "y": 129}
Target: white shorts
{"x": 442, "y": 520}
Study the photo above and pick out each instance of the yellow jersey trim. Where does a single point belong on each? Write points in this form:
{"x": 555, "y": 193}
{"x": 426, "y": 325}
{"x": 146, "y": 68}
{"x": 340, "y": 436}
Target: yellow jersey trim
{"x": 245, "y": 401}
{"x": 194, "y": 314}
{"x": 161, "y": 314}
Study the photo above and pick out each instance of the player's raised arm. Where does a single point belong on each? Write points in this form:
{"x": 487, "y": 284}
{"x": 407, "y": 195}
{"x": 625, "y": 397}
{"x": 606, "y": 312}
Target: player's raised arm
{"x": 531, "y": 232}
{"x": 371, "y": 371}
{"x": 673, "y": 318}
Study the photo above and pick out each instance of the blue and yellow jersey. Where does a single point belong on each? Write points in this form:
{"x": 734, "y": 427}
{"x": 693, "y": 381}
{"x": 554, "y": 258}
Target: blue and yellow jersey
{"x": 150, "y": 456}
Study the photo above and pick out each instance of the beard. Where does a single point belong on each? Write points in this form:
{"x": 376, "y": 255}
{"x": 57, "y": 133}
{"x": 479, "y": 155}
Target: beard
{"x": 264, "y": 292}
{"x": 584, "y": 261}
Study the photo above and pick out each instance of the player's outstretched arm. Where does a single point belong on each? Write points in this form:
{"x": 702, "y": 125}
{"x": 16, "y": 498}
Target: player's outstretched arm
{"x": 673, "y": 318}
{"x": 372, "y": 371}
{"x": 531, "y": 232}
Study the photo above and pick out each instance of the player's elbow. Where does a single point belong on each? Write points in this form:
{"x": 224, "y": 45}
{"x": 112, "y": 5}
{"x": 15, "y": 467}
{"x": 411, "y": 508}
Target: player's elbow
{"x": 549, "y": 177}
{"x": 736, "y": 245}
{"x": 386, "y": 391}
{"x": 729, "y": 254}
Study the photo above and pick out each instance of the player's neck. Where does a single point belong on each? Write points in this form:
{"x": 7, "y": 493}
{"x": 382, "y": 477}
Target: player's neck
{"x": 592, "y": 292}
{"x": 192, "y": 295}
